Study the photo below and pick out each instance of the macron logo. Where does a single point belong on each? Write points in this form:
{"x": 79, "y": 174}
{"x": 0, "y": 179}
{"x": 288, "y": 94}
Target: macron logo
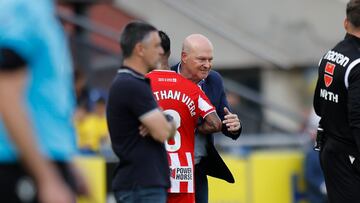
{"x": 352, "y": 159}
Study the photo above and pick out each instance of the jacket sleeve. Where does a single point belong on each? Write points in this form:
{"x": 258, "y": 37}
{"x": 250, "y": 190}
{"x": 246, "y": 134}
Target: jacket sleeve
{"x": 223, "y": 103}
{"x": 354, "y": 103}
{"x": 316, "y": 101}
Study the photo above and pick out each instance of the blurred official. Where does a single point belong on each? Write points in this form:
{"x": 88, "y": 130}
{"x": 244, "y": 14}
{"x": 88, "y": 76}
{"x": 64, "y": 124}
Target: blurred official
{"x": 37, "y": 139}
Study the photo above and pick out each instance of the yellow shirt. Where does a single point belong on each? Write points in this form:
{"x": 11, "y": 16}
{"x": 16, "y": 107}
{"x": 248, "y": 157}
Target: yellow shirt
{"x": 91, "y": 131}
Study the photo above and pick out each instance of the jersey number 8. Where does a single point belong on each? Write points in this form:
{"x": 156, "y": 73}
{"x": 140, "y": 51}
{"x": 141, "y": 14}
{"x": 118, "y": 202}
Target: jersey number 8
{"x": 177, "y": 139}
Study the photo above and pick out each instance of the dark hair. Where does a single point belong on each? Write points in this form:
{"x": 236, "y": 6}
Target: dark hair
{"x": 353, "y": 12}
{"x": 165, "y": 42}
{"x": 132, "y": 34}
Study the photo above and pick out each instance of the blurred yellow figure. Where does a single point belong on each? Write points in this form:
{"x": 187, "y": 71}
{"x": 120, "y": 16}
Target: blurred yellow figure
{"x": 91, "y": 128}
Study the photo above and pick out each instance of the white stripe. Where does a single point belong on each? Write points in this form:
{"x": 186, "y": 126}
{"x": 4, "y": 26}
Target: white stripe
{"x": 320, "y": 61}
{"x": 351, "y": 66}
{"x": 175, "y": 162}
{"x": 204, "y": 105}
{"x": 178, "y": 68}
{"x": 163, "y": 71}
{"x": 190, "y": 163}
{"x": 209, "y": 113}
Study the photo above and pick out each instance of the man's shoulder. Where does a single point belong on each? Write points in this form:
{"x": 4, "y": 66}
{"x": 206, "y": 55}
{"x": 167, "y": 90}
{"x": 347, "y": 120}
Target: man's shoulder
{"x": 214, "y": 75}
{"x": 128, "y": 79}
{"x": 214, "y": 78}
{"x": 125, "y": 81}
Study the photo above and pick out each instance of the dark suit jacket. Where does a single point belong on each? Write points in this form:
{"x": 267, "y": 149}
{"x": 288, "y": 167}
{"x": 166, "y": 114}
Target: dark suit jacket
{"x": 213, "y": 163}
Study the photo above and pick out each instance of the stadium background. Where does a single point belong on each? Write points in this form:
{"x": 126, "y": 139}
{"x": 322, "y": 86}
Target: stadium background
{"x": 267, "y": 52}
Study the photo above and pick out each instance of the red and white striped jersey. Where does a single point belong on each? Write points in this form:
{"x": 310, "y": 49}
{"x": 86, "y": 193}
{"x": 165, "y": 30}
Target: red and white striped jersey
{"x": 185, "y": 102}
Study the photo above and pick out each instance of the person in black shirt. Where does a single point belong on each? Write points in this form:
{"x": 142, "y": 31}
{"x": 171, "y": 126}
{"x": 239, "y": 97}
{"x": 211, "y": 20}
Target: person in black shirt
{"x": 337, "y": 102}
{"x": 142, "y": 174}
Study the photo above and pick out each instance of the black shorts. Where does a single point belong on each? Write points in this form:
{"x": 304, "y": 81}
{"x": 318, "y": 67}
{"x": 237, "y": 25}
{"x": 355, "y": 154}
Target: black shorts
{"x": 16, "y": 186}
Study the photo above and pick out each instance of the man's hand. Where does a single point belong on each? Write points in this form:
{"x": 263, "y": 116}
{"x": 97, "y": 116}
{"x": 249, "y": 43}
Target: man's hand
{"x": 143, "y": 130}
{"x": 231, "y": 121}
{"x": 81, "y": 184}
{"x": 54, "y": 190}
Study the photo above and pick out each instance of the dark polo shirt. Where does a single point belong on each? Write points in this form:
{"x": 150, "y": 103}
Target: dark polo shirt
{"x": 143, "y": 161}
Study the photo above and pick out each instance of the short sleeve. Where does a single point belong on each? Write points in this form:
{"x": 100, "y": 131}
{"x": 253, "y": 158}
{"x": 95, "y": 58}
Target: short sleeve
{"x": 18, "y": 32}
{"x": 137, "y": 96}
{"x": 142, "y": 100}
{"x": 10, "y": 60}
{"x": 204, "y": 105}
{"x": 130, "y": 95}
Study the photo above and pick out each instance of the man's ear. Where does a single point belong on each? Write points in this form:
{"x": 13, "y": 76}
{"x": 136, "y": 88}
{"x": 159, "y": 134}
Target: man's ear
{"x": 346, "y": 23}
{"x": 184, "y": 57}
{"x": 139, "y": 49}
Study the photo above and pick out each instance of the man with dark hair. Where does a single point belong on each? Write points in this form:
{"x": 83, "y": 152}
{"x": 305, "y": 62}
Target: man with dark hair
{"x": 337, "y": 102}
{"x": 195, "y": 65}
{"x": 165, "y": 44}
{"x": 186, "y": 103}
{"x": 142, "y": 174}
{"x": 37, "y": 139}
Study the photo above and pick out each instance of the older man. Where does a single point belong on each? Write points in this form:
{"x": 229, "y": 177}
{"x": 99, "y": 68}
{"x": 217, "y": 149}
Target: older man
{"x": 195, "y": 65}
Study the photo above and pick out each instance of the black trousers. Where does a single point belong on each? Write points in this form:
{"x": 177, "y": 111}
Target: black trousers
{"x": 16, "y": 186}
{"x": 341, "y": 166}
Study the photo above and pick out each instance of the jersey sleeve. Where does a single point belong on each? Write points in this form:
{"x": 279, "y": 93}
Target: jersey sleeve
{"x": 204, "y": 105}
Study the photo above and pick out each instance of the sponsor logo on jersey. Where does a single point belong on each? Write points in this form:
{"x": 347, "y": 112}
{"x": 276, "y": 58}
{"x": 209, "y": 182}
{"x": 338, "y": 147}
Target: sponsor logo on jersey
{"x": 167, "y": 79}
{"x": 182, "y": 173}
{"x": 329, "y": 96}
{"x": 172, "y": 172}
{"x": 329, "y": 72}
{"x": 337, "y": 58}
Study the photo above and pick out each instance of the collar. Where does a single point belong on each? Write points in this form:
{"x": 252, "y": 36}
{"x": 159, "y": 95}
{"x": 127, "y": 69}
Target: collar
{"x": 200, "y": 83}
{"x": 156, "y": 70}
{"x": 352, "y": 37}
{"x": 132, "y": 72}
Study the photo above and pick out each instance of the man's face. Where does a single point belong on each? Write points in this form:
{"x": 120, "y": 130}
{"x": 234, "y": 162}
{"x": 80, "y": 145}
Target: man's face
{"x": 152, "y": 50}
{"x": 198, "y": 62}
